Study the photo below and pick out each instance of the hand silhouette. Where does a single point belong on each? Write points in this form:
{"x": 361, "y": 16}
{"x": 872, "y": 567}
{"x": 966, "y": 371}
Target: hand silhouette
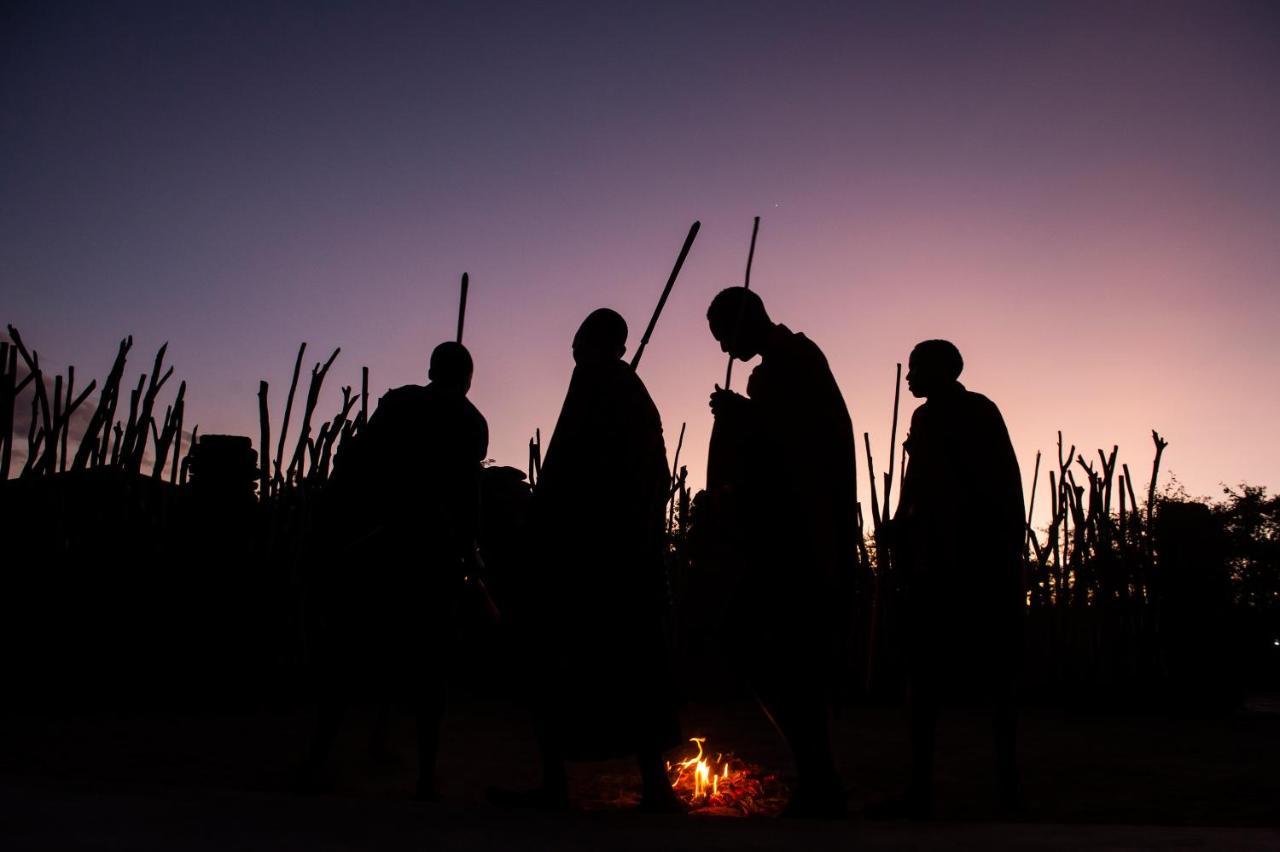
{"x": 727, "y": 404}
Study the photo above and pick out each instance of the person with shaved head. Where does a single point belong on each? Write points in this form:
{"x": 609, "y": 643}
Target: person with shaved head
{"x": 403, "y": 509}
{"x": 794, "y": 509}
{"x": 957, "y": 539}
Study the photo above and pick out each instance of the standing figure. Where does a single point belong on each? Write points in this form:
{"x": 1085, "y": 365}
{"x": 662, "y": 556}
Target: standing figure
{"x": 789, "y": 495}
{"x": 958, "y": 537}
{"x": 405, "y": 498}
{"x": 600, "y": 661}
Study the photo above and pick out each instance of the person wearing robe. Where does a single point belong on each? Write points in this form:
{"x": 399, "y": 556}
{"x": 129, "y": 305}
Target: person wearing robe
{"x": 405, "y": 505}
{"x": 794, "y": 502}
{"x": 601, "y": 663}
{"x": 958, "y": 537}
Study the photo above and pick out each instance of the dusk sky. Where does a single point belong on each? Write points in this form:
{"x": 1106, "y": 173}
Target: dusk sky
{"x": 1085, "y": 198}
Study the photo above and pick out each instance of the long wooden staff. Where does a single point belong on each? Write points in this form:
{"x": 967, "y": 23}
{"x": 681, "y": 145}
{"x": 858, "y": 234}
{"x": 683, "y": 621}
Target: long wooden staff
{"x": 746, "y": 285}
{"x": 462, "y": 305}
{"x": 666, "y": 291}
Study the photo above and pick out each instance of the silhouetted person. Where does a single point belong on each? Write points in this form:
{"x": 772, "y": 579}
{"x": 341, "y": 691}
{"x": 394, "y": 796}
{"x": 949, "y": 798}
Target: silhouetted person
{"x": 794, "y": 518}
{"x": 601, "y": 664}
{"x": 958, "y": 537}
{"x": 408, "y": 494}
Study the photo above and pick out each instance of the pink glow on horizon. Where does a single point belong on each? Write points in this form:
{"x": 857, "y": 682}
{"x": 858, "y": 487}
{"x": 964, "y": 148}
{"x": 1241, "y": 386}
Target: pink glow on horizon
{"x": 1086, "y": 202}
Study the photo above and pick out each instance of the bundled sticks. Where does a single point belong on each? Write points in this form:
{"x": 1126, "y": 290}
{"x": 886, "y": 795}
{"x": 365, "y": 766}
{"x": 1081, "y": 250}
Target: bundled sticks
{"x": 311, "y": 461}
{"x": 1092, "y": 554}
{"x": 126, "y": 438}
{"x": 104, "y": 441}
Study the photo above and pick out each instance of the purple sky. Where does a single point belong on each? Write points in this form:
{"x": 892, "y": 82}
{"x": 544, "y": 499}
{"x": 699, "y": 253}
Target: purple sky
{"x": 1086, "y": 200}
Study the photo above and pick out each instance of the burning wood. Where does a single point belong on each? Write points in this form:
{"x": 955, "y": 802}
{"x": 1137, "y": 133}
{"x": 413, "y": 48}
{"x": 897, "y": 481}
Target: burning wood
{"x": 723, "y": 785}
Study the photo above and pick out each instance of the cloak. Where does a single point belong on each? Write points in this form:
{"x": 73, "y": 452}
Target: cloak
{"x": 402, "y": 515}
{"x": 599, "y": 513}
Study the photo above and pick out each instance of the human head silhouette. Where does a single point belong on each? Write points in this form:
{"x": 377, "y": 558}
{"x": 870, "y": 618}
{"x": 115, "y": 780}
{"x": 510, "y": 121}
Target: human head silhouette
{"x": 934, "y": 366}
{"x": 739, "y": 322}
{"x": 451, "y": 367}
{"x": 601, "y": 338}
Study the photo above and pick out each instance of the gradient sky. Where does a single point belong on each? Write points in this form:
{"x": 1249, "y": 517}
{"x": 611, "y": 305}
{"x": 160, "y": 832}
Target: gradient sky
{"x": 1085, "y": 198}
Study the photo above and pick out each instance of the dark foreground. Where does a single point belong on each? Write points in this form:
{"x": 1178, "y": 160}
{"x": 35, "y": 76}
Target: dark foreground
{"x": 67, "y": 820}
{"x": 222, "y": 780}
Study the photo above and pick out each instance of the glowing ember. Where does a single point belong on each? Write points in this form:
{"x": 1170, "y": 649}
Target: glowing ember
{"x": 723, "y": 784}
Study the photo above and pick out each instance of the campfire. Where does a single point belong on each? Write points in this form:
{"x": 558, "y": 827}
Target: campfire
{"x": 724, "y": 785}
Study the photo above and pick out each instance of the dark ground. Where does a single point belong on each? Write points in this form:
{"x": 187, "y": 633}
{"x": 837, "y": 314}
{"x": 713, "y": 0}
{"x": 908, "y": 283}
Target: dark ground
{"x": 222, "y": 780}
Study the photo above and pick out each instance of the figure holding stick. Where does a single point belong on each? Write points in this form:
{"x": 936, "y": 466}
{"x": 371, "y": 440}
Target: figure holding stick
{"x": 788, "y": 578}
{"x": 961, "y": 572}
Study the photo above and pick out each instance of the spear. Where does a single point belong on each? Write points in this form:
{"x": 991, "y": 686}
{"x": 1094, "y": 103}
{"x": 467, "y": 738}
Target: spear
{"x": 666, "y": 291}
{"x": 746, "y": 285}
{"x": 462, "y": 305}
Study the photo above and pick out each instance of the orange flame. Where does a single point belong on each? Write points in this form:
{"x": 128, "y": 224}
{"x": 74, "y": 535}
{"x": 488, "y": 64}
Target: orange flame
{"x": 719, "y": 783}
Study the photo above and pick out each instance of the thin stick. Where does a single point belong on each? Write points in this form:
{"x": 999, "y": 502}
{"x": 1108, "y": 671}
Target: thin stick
{"x": 675, "y": 464}
{"x": 304, "y": 437}
{"x": 93, "y": 447}
{"x": 177, "y": 440}
{"x": 537, "y": 453}
{"x": 185, "y": 468}
{"x": 134, "y": 459}
{"x": 893, "y": 442}
{"x": 34, "y": 442}
{"x": 39, "y": 403}
{"x": 288, "y": 408}
{"x": 871, "y": 473}
{"x": 1124, "y": 515}
{"x": 1035, "y": 479}
{"x": 1160, "y": 443}
{"x": 746, "y": 285}
{"x": 8, "y": 379}
{"x": 751, "y": 253}
{"x": 666, "y": 291}
{"x": 1128, "y": 484}
{"x": 160, "y": 435}
{"x": 118, "y": 437}
{"x": 67, "y": 408}
{"x": 462, "y": 305}
{"x": 72, "y": 406}
{"x": 55, "y": 436}
{"x": 1054, "y": 495}
{"x": 674, "y": 484}
{"x": 264, "y": 424}
{"x": 364, "y": 396}
{"x": 902, "y": 470}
